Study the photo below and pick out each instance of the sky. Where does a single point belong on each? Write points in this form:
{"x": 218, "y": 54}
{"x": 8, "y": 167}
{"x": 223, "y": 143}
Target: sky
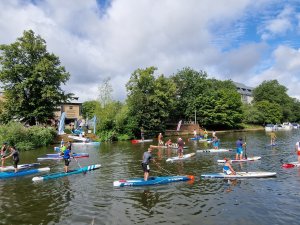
{"x": 245, "y": 41}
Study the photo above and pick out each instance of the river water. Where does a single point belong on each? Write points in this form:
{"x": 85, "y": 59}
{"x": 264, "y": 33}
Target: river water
{"x": 91, "y": 198}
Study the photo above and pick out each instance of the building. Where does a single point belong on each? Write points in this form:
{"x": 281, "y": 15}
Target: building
{"x": 245, "y": 92}
{"x": 73, "y": 110}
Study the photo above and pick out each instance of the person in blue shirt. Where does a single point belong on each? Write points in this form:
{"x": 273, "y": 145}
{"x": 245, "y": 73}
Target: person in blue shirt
{"x": 216, "y": 142}
{"x": 67, "y": 158}
{"x": 239, "y": 149}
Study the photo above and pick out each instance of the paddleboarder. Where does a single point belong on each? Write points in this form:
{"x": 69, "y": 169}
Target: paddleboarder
{"x": 14, "y": 153}
{"x": 216, "y": 142}
{"x": 4, "y": 148}
{"x": 227, "y": 168}
{"x": 273, "y": 137}
{"x": 239, "y": 149}
{"x": 142, "y": 134}
{"x": 298, "y": 150}
{"x": 67, "y": 158}
{"x": 205, "y": 134}
{"x": 160, "y": 139}
{"x": 147, "y": 157}
{"x": 180, "y": 145}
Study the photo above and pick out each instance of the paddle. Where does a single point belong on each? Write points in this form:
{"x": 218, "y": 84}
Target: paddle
{"x": 79, "y": 165}
{"x": 245, "y": 147}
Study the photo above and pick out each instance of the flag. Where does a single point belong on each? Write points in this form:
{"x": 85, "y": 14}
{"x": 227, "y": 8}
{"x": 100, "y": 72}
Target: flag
{"x": 179, "y": 125}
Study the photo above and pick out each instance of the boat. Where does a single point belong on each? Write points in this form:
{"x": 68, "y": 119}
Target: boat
{"x": 290, "y": 165}
{"x": 77, "y": 138}
{"x": 63, "y": 174}
{"x": 287, "y": 126}
{"x": 11, "y": 174}
{"x": 259, "y": 174}
{"x": 271, "y": 127}
{"x": 214, "y": 150}
{"x": 186, "y": 156}
{"x": 20, "y": 167}
{"x": 152, "y": 180}
{"x": 135, "y": 141}
{"x": 57, "y": 156}
{"x": 254, "y": 158}
{"x": 295, "y": 125}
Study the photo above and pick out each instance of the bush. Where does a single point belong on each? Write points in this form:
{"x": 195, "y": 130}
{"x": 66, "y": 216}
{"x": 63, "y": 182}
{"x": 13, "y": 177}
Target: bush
{"x": 23, "y": 138}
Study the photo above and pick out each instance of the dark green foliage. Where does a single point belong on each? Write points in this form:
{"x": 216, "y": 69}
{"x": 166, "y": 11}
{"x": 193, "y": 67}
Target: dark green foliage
{"x": 150, "y": 100}
{"x": 26, "y": 138}
{"x": 32, "y": 79}
{"x": 89, "y": 108}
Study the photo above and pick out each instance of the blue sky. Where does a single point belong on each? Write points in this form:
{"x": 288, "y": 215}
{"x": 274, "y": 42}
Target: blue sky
{"x": 243, "y": 40}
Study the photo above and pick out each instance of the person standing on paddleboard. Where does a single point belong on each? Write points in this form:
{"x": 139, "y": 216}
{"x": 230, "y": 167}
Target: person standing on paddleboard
{"x": 239, "y": 149}
{"x": 180, "y": 144}
{"x": 298, "y": 150}
{"x": 67, "y": 158}
{"x": 160, "y": 139}
{"x": 227, "y": 168}
{"x": 273, "y": 137}
{"x": 147, "y": 157}
{"x": 142, "y": 134}
{"x": 4, "y": 148}
{"x": 14, "y": 153}
{"x": 216, "y": 142}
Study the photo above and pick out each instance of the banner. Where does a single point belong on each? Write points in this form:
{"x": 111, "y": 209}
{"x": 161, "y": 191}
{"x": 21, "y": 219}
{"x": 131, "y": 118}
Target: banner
{"x": 179, "y": 125}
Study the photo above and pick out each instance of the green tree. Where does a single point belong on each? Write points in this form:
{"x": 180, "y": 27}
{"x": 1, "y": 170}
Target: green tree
{"x": 31, "y": 78}
{"x": 150, "y": 100}
{"x": 270, "y": 112}
{"x": 273, "y": 92}
{"x": 89, "y": 108}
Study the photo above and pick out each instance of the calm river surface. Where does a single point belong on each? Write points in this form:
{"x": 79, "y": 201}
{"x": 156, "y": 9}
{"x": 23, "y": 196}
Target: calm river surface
{"x": 91, "y": 198}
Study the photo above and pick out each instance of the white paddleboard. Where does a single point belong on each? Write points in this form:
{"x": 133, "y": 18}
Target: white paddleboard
{"x": 183, "y": 157}
{"x": 214, "y": 150}
{"x": 258, "y": 174}
{"x": 254, "y": 158}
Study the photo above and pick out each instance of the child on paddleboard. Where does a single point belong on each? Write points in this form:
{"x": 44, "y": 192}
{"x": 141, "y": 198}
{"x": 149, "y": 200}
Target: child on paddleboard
{"x": 227, "y": 168}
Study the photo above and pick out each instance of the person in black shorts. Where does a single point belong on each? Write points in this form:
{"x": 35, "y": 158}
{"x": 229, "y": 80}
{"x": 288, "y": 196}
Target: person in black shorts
{"x": 14, "y": 153}
{"x": 147, "y": 157}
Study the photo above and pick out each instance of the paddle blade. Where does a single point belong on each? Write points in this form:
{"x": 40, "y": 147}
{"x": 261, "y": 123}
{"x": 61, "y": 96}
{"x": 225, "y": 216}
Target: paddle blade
{"x": 287, "y": 165}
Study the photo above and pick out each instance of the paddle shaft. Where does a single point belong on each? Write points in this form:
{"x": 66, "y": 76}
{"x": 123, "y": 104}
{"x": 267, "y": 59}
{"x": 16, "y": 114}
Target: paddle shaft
{"x": 245, "y": 148}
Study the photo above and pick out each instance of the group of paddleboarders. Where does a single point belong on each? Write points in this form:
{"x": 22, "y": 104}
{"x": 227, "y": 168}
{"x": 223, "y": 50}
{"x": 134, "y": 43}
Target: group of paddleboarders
{"x": 10, "y": 152}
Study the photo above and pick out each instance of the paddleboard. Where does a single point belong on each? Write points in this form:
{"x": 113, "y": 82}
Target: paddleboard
{"x": 141, "y": 141}
{"x": 254, "y": 158}
{"x": 11, "y": 174}
{"x": 290, "y": 165}
{"x": 214, "y": 150}
{"x": 206, "y": 140}
{"x": 151, "y": 181}
{"x": 259, "y": 174}
{"x": 196, "y": 138}
{"x": 20, "y": 167}
{"x": 59, "y": 157}
{"x": 182, "y": 158}
{"x": 63, "y": 174}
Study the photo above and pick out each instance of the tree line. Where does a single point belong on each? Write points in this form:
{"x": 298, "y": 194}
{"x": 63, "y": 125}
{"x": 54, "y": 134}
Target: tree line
{"x": 32, "y": 80}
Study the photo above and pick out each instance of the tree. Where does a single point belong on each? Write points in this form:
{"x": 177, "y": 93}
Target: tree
{"x": 89, "y": 108}
{"x": 150, "y": 100}
{"x": 273, "y": 92}
{"x": 32, "y": 79}
{"x": 105, "y": 92}
{"x": 270, "y": 112}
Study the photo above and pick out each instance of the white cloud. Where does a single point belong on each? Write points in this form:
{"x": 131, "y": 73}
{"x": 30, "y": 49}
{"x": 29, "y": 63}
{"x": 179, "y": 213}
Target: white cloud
{"x": 94, "y": 45}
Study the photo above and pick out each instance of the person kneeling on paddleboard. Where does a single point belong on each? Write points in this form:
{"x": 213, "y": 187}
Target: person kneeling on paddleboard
{"x": 227, "y": 168}
{"x": 147, "y": 157}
